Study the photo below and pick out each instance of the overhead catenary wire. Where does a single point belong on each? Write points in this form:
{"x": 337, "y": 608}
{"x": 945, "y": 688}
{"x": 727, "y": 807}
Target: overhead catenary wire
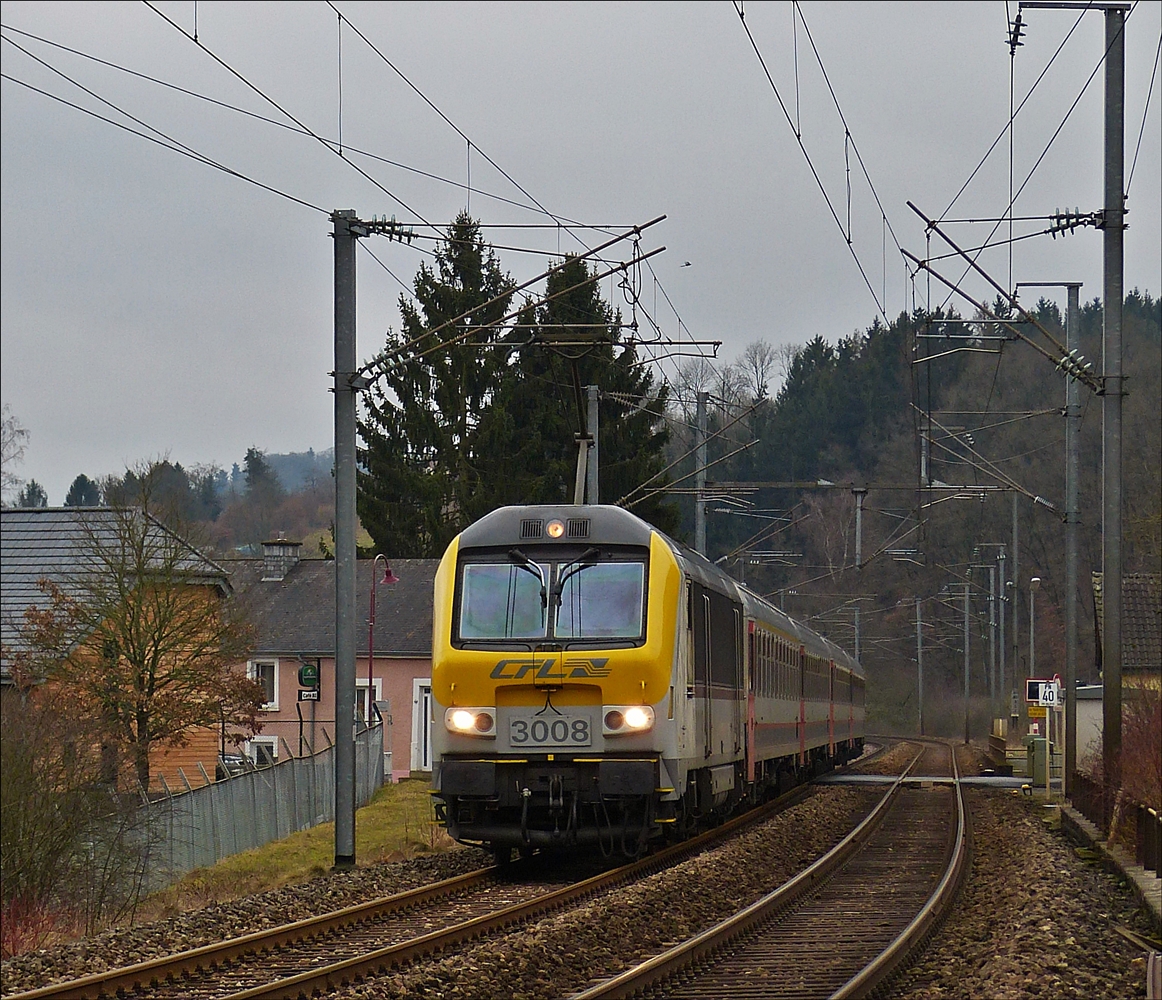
{"x": 767, "y": 532}
{"x": 1145, "y": 112}
{"x": 681, "y": 458}
{"x": 399, "y": 281}
{"x": 1000, "y": 135}
{"x": 431, "y": 104}
{"x": 880, "y": 307}
{"x": 287, "y": 126}
{"x": 508, "y": 293}
{"x": 849, "y": 137}
{"x": 169, "y": 144}
{"x": 460, "y": 132}
{"x": 384, "y": 368}
{"x": 990, "y": 467}
{"x": 1048, "y": 146}
{"x": 665, "y": 489}
{"x": 274, "y": 104}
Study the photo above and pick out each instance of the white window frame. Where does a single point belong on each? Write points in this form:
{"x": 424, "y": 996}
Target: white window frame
{"x": 252, "y": 673}
{"x": 255, "y": 742}
{"x": 360, "y": 688}
{"x": 421, "y": 723}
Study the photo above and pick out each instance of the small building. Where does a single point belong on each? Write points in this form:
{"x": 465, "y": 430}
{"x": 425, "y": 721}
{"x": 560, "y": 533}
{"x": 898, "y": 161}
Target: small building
{"x": 1141, "y": 629}
{"x": 1089, "y": 709}
{"x": 291, "y": 602}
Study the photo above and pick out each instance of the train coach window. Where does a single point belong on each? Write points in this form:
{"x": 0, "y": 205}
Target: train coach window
{"x": 500, "y": 601}
{"x": 602, "y": 601}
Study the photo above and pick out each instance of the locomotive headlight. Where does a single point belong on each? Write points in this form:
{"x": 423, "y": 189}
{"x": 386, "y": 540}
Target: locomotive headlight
{"x": 471, "y": 721}
{"x": 555, "y": 529}
{"x": 639, "y": 718}
{"x": 622, "y": 720}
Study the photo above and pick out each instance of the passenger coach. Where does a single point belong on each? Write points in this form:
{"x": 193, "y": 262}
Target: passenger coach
{"x": 595, "y": 682}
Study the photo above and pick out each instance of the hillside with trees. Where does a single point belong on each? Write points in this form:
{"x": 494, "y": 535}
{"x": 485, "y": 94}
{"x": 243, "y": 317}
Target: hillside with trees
{"x": 453, "y": 432}
{"x": 853, "y": 413}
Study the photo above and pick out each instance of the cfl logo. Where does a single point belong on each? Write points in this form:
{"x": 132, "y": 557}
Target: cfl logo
{"x": 594, "y": 667}
{"x": 515, "y": 670}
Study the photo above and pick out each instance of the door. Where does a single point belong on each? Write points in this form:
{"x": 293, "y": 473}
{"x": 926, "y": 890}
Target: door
{"x": 421, "y": 724}
{"x": 700, "y": 616}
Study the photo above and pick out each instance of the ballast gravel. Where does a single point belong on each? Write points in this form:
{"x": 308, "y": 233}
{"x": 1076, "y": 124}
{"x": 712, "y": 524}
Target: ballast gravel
{"x": 561, "y": 954}
{"x": 891, "y": 761}
{"x": 1034, "y": 919}
{"x": 126, "y": 946}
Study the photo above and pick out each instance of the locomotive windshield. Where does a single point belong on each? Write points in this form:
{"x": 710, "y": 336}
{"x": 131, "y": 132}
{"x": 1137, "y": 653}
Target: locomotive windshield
{"x": 602, "y": 601}
{"x": 501, "y": 601}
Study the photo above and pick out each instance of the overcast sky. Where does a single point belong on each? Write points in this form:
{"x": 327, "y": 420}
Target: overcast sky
{"x": 153, "y": 305}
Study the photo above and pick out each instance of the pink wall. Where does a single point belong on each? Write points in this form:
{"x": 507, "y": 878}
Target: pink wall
{"x": 393, "y": 679}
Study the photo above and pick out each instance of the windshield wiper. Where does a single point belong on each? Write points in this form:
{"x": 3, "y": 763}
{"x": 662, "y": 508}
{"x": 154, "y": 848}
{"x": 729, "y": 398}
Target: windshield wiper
{"x": 572, "y": 569}
{"x": 524, "y": 562}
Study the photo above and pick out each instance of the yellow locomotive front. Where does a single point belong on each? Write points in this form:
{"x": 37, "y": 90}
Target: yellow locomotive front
{"x": 552, "y": 663}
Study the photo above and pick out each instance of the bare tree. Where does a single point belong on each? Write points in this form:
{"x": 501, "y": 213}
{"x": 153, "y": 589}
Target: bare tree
{"x": 13, "y": 441}
{"x": 830, "y": 528}
{"x": 757, "y": 364}
{"x": 785, "y": 355}
{"x": 141, "y": 633}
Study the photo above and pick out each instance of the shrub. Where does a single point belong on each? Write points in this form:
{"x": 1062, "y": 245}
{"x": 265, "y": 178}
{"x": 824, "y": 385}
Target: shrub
{"x": 71, "y": 847}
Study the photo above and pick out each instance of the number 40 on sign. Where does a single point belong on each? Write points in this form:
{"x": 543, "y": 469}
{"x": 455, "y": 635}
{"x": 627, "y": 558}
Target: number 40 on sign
{"x": 1046, "y": 693}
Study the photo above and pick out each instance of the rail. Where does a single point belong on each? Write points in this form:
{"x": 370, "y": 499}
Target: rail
{"x": 719, "y": 937}
{"x": 881, "y": 967}
{"x": 141, "y": 976}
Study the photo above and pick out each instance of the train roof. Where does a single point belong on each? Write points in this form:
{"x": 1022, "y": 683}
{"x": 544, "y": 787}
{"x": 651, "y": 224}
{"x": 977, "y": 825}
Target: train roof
{"x": 523, "y": 525}
{"x": 517, "y": 525}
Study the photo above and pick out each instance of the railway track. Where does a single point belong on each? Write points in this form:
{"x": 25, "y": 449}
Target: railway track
{"x": 326, "y": 952}
{"x": 843, "y": 925}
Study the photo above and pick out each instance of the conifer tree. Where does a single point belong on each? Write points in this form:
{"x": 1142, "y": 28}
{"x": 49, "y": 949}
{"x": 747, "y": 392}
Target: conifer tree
{"x": 453, "y": 432}
{"x": 421, "y": 460}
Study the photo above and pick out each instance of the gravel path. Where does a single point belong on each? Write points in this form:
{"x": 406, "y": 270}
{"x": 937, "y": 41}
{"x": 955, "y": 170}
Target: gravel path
{"x": 125, "y": 946}
{"x": 563, "y": 953}
{"x": 1033, "y": 919}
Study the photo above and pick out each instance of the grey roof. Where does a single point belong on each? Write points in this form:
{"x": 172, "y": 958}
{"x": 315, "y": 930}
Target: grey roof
{"x": 297, "y": 614}
{"x": 56, "y": 543}
{"x": 1141, "y": 621}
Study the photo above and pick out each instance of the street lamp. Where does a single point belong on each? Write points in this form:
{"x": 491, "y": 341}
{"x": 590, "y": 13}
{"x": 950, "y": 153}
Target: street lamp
{"x": 388, "y": 578}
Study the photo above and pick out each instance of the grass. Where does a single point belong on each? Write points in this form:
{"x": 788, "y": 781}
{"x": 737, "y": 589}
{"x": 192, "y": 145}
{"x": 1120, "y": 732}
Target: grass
{"x": 397, "y": 824}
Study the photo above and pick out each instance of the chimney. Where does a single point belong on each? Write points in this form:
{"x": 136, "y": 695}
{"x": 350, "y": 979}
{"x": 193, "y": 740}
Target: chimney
{"x": 278, "y": 557}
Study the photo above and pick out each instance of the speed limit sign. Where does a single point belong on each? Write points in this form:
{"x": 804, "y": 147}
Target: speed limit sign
{"x": 1050, "y": 695}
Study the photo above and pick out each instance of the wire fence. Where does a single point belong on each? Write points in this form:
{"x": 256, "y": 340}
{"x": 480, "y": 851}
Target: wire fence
{"x": 201, "y": 826}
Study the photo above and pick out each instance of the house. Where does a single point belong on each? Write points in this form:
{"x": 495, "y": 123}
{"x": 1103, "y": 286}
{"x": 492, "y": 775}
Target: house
{"x": 291, "y": 603}
{"x": 61, "y": 545}
{"x": 1141, "y": 628}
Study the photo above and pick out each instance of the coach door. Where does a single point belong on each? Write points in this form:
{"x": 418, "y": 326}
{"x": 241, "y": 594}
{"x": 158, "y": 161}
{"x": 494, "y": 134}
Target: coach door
{"x": 699, "y": 610}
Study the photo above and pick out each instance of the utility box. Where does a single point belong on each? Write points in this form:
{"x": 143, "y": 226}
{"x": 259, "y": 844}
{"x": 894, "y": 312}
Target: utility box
{"x": 1036, "y": 750}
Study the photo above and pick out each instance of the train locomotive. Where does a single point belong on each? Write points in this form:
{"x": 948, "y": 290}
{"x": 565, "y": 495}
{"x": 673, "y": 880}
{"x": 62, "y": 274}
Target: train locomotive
{"x": 595, "y": 683}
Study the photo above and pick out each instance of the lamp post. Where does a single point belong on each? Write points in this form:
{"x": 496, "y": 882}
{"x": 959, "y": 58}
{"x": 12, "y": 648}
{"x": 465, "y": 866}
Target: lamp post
{"x": 388, "y": 578}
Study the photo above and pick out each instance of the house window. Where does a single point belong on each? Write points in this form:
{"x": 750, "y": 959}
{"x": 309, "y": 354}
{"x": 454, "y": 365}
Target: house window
{"x": 263, "y": 750}
{"x": 266, "y": 673}
{"x": 364, "y": 706}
